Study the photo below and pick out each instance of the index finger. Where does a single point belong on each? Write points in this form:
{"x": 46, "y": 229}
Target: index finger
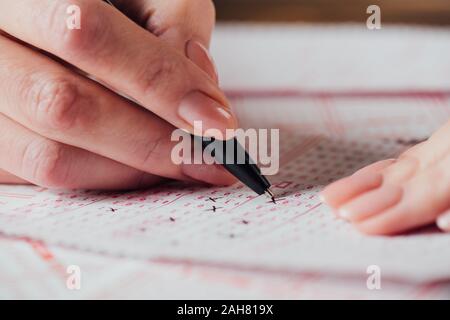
{"x": 123, "y": 55}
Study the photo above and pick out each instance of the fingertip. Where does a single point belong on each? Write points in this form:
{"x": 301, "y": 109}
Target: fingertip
{"x": 371, "y": 203}
{"x": 224, "y": 178}
{"x": 375, "y": 227}
{"x": 322, "y": 197}
{"x": 345, "y": 213}
{"x": 210, "y": 174}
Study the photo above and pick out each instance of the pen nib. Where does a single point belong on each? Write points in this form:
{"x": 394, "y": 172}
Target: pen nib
{"x": 270, "y": 194}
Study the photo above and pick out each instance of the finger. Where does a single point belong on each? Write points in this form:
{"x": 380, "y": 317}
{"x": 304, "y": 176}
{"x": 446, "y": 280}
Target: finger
{"x": 370, "y": 203}
{"x": 54, "y": 165}
{"x": 128, "y": 58}
{"x": 363, "y": 180}
{"x": 443, "y": 221}
{"x": 367, "y": 203}
{"x": 341, "y": 191}
{"x": 212, "y": 174}
{"x": 431, "y": 150}
{"x": 62, "y": 106}
{"x": 419, "y": 205}
{"x": 402, "y": 170}
{"x": 176, "y": 21}
{"x": 376, "y": 167}
{"x": 7, "y": 178}
{"x": 185, "y": 25}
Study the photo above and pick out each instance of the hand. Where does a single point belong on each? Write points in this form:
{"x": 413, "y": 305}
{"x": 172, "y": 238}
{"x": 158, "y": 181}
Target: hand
{"x": 60, "y": 129}
{"x": 397, "y": 195}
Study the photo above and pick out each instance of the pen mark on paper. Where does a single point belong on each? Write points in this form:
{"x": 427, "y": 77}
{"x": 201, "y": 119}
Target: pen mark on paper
{"x": 214, "y": 209}
{"x": 274, "y": 200}
{"x": 213, "y": 199}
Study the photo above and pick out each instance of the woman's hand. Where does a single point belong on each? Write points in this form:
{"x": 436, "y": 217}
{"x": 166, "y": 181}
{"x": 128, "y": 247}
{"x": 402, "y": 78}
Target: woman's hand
{"x": 61, "y": 129}
{"x": 397, "y": 195}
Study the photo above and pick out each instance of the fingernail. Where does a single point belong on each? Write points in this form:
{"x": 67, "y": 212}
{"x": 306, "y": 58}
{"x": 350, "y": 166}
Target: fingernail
{"x": 322, "y": 198}
{"x": 202, "y": 58}
{"x": 443, "y": 221}
{"x": 371, "y": 203}
{"x": 198, "y": 107}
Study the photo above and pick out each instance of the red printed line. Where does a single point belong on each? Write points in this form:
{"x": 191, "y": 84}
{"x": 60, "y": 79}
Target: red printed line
{"x": 330, "y": 118}
{"x": 41, "y": 249}
{"x": 242, "y": 203}
{"x": 426, "y": 290}
{"x": 305, "y": 212}
{"x": 176, "y": 199}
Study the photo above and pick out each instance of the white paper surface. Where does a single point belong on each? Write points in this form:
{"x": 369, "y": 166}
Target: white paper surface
{"x": 293, "y": 249}
{"x": 35, "y": 271}
{"x": 322, "y": 140}
{"x": 332, "y": 57}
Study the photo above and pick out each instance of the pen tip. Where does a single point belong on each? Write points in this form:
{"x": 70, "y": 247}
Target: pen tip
{"x": 269, "y": 193}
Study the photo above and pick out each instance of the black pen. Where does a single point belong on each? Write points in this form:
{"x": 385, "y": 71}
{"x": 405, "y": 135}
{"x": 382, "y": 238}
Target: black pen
{"x": 247, "y": 172}
{"x": 227, "y": 154}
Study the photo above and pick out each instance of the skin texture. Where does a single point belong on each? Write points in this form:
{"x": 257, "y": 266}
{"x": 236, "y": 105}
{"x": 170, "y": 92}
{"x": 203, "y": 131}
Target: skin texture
{"x": 397, "y": 195}
{"x": 61, "y": 129}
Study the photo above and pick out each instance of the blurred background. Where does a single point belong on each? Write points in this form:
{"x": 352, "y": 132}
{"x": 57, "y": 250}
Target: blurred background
{"x": 423, "y": 12}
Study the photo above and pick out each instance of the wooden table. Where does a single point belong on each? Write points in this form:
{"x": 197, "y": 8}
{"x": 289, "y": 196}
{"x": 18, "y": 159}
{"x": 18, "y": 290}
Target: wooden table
{"x": 435, "y": 12}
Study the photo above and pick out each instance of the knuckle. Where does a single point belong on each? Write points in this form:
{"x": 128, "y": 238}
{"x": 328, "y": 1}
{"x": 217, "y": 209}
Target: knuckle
{"x": 438, "y": 175}
{"x": 43, "y": 163}
{"x": 159, "y": 74}
{"x": 54, "y": 104}
{"x": 149, "y": 153}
